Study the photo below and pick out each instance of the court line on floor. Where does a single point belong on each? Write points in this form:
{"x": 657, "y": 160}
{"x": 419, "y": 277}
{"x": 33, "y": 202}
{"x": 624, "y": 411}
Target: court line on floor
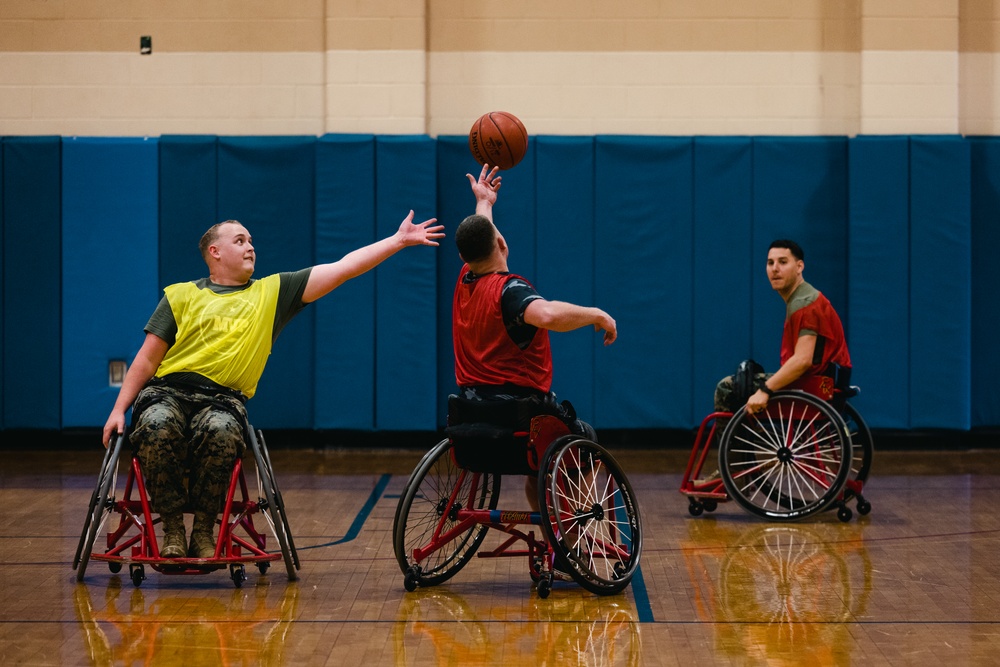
{"x": 362, "y": 516}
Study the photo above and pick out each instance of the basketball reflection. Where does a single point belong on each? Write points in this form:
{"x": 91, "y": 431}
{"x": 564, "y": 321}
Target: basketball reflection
{"x": 248, "y": 626}
{"x": 440, "y": 627}
{"x": 781, "y": 594}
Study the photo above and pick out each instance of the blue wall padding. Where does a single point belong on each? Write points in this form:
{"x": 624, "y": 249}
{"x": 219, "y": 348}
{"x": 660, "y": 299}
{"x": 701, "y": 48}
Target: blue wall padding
{"x": 454, "y": 203}
{"x": 878, "y": 269}
{"x": 940, "y": 276}
{"x": 667, "y": 234}
{"x": 345, "y": 319}
{"x": 109, "y": 266}
{"x": 800, "y": 193}
{"x": 3, "y": 251}
{"x": 31, "y": 302}
{"x": 268, "y": 184}
{"x": 723, "y": 263}
{"x": 985, "y": 355}
{"x": 188, "y": 204}
{"x": 405, "y": 285}
{"x": 565, "y": 259}
{"x": 643, "y": 275}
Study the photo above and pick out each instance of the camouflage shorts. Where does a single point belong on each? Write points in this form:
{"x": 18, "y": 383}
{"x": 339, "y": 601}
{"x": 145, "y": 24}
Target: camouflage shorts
{"x": 176, "y": 431}
{"x": 725, "y": 400}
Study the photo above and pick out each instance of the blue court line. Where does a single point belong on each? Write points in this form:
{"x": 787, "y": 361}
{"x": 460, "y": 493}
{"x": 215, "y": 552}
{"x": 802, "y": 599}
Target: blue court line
{"x": 641, "y": 595}
{"x": 359, "y": 520}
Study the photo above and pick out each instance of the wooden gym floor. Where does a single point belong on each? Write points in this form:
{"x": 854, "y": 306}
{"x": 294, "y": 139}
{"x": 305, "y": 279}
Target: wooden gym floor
{"x": 916, "y": 582}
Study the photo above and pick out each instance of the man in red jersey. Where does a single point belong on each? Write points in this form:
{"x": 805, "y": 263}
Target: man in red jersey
{"x": 813, "y": 342}
{"x": 500, "y": 324}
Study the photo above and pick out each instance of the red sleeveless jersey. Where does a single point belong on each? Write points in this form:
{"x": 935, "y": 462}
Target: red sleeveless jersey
{"x": 484, "y": 352}
{"x": 818, "y": 316}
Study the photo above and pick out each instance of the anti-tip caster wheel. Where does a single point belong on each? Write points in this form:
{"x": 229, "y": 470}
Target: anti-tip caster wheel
{"x": 545, "y": 585}
{"x": 695, "y": 508}
{"x": 138, "y": 574}
{"x": 238, "y": 574}
{"x": 412, "y": 579}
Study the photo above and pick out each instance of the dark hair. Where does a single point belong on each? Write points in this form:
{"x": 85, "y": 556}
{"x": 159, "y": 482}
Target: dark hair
{"x": 791, "y": 246}
{"x": 211, "y": 236}
{"x": 475, "y": 238}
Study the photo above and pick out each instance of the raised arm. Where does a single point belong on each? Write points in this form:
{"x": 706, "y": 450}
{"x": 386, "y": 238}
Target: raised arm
{"x": 147, "y": 360}
{"x": 324, "y": 278}
{"x": 562, "y": 316}
{"x": 485, "y": 190}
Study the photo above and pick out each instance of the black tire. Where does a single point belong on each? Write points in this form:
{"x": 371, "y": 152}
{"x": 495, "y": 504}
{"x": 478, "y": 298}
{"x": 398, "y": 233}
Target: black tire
{"x": 425, "y": 509}
{"x": 273, "y": 507}
{"x": 101, "y": 505}
{"x": 590, "y": 515}
{"x": 788, "y": 462}
{"x": 862, "y": 448}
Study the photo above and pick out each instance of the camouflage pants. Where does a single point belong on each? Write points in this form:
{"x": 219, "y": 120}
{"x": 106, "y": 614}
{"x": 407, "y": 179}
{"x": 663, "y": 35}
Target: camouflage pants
{"x": 725, "y": 400}
{"x": 179, "y": 431}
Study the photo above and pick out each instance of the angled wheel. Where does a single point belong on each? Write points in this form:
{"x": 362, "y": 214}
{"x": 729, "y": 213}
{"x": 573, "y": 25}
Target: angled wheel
{"x": 590, "y": 514}
{"x": 101, "y": 505}
{"x": 863, "y": 450}
{"x": 273, "y": 507}
{"x": 430, "y": 541}
{"x": 789, "y": 461}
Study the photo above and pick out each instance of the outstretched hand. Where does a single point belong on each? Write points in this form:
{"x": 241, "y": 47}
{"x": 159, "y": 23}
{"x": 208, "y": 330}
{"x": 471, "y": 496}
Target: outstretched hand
{"x": 421, "y": 233}
{"x": 610, "y": 328}
{"x": 485, "y": 188}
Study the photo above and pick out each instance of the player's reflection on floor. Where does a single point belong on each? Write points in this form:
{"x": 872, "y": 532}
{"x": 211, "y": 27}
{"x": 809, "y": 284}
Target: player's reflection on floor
{"x": 135, "y": 626}
{"x": 438, "y": 626}
{"x": 780, "y": 594}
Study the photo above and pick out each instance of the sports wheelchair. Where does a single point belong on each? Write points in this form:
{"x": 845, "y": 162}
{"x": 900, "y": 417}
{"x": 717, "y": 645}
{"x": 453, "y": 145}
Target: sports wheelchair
{"x": 589, "y": 516}
{"x": 807, "y": 452}
{"x": 132, "y": 539}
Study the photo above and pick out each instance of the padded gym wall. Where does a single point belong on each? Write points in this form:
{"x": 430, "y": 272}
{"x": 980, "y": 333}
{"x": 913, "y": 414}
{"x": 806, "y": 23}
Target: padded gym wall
{"x": 268, "y": 184}
{"x": 345, "y": 320}
{"x": 188, "y": 204}
{"x": 109, "y": 266}
{"x": 985, "y": 355}
{"x": 667, "y": 234}
{"x": 405, "y": 287}
{"x": 565, "y": 237}
{"x": 454, "y": 203}
{"x": 643, "y": 277}
{"x": 31, "y": 301}
{"x": 724, "y": 263}
{"x": 940, "y": 282}
{"x": 879, "y": 285}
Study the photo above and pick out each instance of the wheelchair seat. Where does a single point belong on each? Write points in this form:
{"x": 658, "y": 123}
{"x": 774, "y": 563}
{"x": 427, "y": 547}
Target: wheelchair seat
{"x": 493, "y": 436}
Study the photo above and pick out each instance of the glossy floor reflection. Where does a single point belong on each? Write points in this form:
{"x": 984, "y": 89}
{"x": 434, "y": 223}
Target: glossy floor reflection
{"x": 913, "y": 583}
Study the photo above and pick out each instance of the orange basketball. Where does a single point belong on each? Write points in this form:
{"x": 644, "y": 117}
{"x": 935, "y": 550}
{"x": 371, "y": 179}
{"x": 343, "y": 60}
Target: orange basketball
{"x": 499, "y": 139}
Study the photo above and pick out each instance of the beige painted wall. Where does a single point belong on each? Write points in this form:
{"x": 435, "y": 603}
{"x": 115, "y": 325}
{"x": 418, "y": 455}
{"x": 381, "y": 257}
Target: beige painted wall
{"x": 73, "y": 67}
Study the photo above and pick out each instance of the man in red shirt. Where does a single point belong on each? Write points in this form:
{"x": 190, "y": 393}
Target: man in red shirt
{"x": 813, "y": 341}
{"x": 500, "y": 324}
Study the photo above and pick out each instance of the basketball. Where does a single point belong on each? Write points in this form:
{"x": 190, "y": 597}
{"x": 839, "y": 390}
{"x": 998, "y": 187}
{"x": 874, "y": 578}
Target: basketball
{"x": 499, "y": 139}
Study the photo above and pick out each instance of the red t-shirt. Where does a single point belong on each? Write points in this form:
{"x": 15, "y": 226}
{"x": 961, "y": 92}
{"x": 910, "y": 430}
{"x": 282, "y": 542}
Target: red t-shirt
{"x": 485, "y": 354}
{"x": 809, "y": 310}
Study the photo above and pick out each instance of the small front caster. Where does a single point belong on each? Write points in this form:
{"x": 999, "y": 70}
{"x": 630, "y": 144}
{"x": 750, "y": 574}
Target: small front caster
{"x": 137, "y": 573}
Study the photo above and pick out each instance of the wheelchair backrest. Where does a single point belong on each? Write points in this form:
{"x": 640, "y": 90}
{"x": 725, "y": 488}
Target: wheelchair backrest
{"x": 499, "y": 436}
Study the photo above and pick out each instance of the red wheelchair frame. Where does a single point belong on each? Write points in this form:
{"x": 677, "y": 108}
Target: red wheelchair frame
{"x": 590, "y": 522}
{"x": 133, "y": 541}
{"x": 808, "y": 451}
